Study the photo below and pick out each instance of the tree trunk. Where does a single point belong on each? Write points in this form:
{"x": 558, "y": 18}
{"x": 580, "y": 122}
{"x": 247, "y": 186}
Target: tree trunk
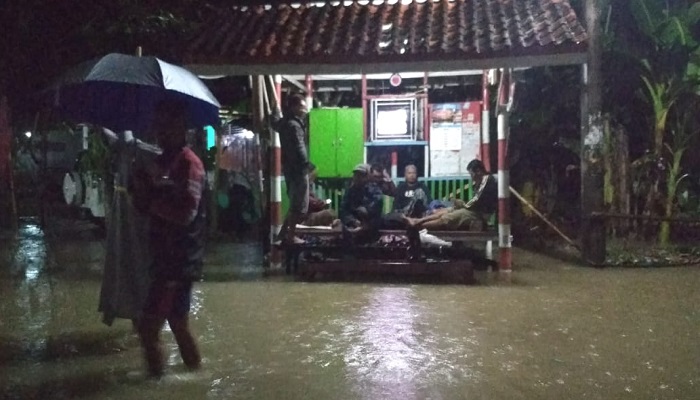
{"x": 671, "y": 188}
{"x": 592, "y": 136}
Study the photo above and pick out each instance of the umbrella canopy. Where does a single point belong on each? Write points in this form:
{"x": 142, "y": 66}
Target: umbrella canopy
{"x": 120, "y": 92}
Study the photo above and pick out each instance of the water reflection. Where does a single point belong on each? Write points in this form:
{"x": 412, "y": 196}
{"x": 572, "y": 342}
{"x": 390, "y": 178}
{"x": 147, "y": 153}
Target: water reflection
{"x": 395, "y": 354}
{"x": 561, "y": 333}
{"x": 33, "y": 302}
{"x": 30, "y": 251}
{"x": 32, "y": 248}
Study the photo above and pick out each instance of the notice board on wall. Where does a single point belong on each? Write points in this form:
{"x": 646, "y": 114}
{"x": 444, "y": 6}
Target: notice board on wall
{"x": 455, "y": 137}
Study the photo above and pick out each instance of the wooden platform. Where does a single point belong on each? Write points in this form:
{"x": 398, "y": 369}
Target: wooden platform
{"x": 450, "y": 236}
{"x": 335, "y": 258}
{"x": 459, "y": 271}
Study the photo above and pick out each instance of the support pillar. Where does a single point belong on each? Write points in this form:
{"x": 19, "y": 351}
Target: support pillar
{"x": 309, "y": 92}
{"x": 276, "y": 164}
{"x": 276, "y": 216}
{"x": 505, "y": 259}
{"x": 259, "y": 127}
{"x": 485, "y": 123}
{"x": 278, "y": 93}
{"x": 426, "y": 125}
{"x": 276, "y": 199}
{"x": 364, "y": 114}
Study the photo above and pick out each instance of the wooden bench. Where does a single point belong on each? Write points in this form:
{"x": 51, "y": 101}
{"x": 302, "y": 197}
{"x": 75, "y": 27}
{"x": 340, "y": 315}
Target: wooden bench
{"x": 386, "y": 259}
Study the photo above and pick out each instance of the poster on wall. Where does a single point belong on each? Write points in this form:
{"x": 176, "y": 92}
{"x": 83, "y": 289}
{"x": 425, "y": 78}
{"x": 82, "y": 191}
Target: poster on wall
{"x": 471, "y": 133}
{"x": 455, "y": 137}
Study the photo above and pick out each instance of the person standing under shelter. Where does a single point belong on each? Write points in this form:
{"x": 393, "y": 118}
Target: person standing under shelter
{"x": 295, "y": 166}
{"x": 171, "y": 193}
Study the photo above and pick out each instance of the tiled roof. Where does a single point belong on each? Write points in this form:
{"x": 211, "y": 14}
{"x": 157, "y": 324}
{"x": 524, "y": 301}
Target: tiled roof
{"x": 355, "y": 32}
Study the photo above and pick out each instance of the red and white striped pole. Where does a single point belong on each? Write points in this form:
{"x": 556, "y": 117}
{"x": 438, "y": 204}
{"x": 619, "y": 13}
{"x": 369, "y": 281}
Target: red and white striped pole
{"x": 278, "y": 92}
{"x": 276, "y": 188}
{"x": 364, "y": 115}
{"x": 309, "y": 83}
{"x": 505, "y": 260}
{"x": 485, "y": 122}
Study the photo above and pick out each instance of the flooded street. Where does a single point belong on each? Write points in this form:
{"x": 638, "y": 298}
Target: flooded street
{"x": 557, "y": 331}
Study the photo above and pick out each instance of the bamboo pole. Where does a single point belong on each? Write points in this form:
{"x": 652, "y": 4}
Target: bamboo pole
{"x": 546, "y": 221}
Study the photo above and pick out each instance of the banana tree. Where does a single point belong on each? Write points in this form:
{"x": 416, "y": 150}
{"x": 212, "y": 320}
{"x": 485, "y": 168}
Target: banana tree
{"x": 672, "y": 68}
{"x": 669, "y": 71}
{"x": 674, "y": 176}
{"x": 663, "y": 95}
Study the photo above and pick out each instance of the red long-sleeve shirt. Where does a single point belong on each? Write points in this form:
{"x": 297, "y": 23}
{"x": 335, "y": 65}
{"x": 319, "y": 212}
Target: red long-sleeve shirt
{"x": 178, "y": 184}
{"x": 178, "y": 223}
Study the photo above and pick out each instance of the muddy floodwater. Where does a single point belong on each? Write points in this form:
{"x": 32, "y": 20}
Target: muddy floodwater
{"x": 557, "y": 331}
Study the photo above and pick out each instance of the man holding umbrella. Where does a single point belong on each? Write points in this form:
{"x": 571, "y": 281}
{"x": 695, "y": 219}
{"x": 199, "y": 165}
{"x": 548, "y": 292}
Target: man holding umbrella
{"x": 171, "y": 193}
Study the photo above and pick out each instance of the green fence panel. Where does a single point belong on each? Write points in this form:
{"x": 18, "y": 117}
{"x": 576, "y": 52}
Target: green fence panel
{"x": 439, "y": 188}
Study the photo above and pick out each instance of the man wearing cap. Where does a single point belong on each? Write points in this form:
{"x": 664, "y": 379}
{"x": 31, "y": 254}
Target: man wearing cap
{"x": 361, "y": 207}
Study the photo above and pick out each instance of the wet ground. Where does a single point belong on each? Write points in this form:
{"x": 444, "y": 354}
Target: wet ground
{"x": 557, "y": 331}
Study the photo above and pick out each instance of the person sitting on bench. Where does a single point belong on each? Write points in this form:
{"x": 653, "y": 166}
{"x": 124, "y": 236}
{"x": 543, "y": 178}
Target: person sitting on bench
{"x": 411, "y": 200}
{"x": 381, "y": 178}
{"x": 319, "y": 212}
{"x": 361, "y": 207}
{"x": 465, "y": 216}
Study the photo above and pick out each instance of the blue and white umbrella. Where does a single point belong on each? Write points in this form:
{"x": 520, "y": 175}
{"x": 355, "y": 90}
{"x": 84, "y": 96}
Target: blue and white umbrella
{"x": 120, "y": 91}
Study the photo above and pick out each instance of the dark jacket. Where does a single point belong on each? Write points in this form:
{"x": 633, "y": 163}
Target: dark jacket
{"x": 295, "y": 158}
{"x": 485, "y": 200}
{"x": 368, "y": 196}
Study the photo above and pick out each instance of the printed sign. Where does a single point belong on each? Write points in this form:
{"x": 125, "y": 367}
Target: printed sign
{"x": 455, "y": 137}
